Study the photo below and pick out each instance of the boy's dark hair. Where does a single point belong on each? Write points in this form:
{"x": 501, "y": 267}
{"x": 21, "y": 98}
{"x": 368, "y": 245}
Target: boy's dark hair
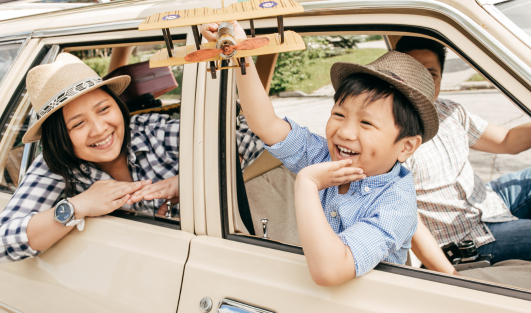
{"x": 407, "y": 118}
{"x": 58, "y": 150}
{"x": 408, "y": 43}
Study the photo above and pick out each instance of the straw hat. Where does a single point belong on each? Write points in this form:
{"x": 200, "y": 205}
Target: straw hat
{"x": 52, "y": 86}
{"x": 407, "y": 75}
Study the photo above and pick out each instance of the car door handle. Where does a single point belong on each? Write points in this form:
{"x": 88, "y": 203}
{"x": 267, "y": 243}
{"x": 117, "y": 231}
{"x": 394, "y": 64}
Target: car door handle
{"x": 231, "y": 306}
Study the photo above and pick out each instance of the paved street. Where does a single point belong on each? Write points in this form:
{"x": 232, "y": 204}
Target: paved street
{"x": 494, "y": 107}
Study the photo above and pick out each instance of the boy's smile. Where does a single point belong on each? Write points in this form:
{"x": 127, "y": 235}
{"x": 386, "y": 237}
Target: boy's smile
{"x": 364, "y": 132}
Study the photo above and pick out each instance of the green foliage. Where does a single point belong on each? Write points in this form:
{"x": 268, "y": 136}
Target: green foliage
{"x": 289, "y": 69}
{"x": 476, "y": 78}
{"x": 99, "y": 65}
{"x": 309, "y": 69}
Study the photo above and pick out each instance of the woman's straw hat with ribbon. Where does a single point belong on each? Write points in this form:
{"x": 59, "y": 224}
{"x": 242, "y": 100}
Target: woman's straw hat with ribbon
{"x": 404, "y": 73}
{"x": 52, "y": 86}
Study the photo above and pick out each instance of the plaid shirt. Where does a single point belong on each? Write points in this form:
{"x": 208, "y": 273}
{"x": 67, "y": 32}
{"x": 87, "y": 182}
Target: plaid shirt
{"x": 377, "y": 216}
{"x": 153, "y": 154}
{"x": 452, "y": 201}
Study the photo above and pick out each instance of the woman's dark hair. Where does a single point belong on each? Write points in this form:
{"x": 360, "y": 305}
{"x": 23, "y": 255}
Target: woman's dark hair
{"x": 57, "y": 148}
{"x": 409, "y": 43}
{"x": 407, "y": 118}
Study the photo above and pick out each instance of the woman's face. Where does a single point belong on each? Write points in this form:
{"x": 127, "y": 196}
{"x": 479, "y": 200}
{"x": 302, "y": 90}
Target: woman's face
{"x": 96, "y": 126}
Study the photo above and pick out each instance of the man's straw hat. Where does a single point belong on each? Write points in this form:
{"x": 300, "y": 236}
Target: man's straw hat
{"x": 52, "y": 86}
{"x": 404, "y": 73}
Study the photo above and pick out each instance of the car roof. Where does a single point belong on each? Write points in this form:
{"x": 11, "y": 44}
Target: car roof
{"x": 128, "y": 10}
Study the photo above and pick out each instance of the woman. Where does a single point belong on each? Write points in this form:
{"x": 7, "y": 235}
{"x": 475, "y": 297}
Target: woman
{"x": 96, "y": 158}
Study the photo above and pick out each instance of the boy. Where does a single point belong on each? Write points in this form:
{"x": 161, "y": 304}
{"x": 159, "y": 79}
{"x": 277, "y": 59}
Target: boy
{"x": 379, "y": 119}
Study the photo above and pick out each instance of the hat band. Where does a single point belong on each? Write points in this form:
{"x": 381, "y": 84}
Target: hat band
{"x": 68, "y": 93}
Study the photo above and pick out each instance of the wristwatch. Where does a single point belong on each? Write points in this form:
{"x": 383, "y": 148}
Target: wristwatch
{"x": 64, "y": 213}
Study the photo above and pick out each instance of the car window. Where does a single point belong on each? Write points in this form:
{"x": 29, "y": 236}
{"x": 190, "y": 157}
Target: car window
{"x": 151, "y": 91}
{"x": 300, "y": 89}
{"x": 8, "y": 52}
{"x": 518, "y": 11}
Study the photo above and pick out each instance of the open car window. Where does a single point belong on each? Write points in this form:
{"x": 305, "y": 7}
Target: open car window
{"x": 300, "y": 89}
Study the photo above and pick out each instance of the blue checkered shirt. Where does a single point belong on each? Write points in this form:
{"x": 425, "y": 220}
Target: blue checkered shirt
{"x": 376, "y": 218}
{"x": 153, "y": 154}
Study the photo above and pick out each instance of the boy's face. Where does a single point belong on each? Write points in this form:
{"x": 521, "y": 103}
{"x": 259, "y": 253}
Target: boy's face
{"x": 365, "y": 133}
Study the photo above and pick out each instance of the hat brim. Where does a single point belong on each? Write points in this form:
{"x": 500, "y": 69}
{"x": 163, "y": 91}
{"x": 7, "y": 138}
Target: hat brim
{"x": 425, "y": 107}
{"x": 116, "y": 84}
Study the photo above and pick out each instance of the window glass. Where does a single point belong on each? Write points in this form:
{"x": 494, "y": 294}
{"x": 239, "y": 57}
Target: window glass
{"x": 519, "y": 12}
{"x": 8, "y": 52}
{"x": 11, "y": 134}
{"x": 152, "y": 91}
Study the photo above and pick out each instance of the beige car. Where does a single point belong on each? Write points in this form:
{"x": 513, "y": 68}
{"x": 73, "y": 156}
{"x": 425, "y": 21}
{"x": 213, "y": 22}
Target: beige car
{"x": 205, "y": 259}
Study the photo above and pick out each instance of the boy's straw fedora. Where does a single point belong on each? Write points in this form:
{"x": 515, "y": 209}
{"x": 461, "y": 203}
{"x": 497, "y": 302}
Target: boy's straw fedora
{"x": 52, "y": 86}
{"x": 407, "y": 75}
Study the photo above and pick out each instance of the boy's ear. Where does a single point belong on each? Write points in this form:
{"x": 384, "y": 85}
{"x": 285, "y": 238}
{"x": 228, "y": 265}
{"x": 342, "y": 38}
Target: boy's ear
{"x": 408, "y": 146}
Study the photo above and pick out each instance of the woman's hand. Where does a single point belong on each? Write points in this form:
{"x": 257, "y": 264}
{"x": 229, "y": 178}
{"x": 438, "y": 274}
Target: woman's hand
{"x": 164, "y": 189}
{"x": 210, "y": 31}
{"x": 330, "y": 174}
{"x": 104, "y": 196}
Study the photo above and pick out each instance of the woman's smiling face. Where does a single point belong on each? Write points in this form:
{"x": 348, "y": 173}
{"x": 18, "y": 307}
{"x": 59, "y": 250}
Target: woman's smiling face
{"x": 96, "y": 126}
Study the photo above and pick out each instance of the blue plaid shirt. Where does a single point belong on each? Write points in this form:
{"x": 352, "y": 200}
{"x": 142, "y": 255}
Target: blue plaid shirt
{"x": 153, "y": 154}
{"x": 376, "y": 218}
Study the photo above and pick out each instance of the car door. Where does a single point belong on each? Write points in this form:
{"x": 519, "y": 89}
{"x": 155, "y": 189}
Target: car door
{"x": 119, "y": 263}
{"x": 232, "y": 271}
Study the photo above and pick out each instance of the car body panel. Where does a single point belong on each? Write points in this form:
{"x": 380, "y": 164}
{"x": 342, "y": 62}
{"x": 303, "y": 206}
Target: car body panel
{"x": 113, "y": 265}
{"x": 280, "y": 281}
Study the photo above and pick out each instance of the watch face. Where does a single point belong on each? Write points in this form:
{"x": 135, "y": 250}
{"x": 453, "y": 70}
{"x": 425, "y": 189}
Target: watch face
{"x": 63, "y": 212}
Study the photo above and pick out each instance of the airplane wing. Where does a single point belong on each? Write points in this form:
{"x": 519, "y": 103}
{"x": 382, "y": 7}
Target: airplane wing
{"x": 237, "y": 11}
{"x": 293, "y": 42}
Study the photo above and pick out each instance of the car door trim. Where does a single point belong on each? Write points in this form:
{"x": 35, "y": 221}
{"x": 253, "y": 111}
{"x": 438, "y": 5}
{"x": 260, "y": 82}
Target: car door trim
{"x": 423, "y": 274}
{"x": 8, "y": 309}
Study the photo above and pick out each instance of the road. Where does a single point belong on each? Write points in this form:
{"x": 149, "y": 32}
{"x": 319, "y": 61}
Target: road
{"x": 491, "y": 105}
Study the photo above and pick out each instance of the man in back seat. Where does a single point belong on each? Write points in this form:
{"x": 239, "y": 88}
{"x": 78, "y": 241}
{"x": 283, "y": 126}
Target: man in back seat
{"x": 453, "y": 202}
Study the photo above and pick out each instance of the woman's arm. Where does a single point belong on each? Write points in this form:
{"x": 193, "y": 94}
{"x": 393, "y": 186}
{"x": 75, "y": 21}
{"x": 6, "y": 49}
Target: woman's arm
{"x": 101, "y": 198}
{"x": 428, "y": 251}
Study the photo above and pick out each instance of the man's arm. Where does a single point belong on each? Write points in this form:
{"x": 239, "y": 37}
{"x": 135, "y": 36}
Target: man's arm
{"x": 497, "y": 139}
{"x": 330, "y": 261}
{"x": 258, "y": 109}
{"x": 428, "y": 251}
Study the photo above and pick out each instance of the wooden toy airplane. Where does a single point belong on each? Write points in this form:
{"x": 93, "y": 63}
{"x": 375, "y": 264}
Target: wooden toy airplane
{"x": 226, "y": 47}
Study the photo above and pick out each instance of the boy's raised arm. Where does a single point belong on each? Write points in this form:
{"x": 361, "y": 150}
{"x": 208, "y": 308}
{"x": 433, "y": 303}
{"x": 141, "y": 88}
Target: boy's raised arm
{"x": 256, "y": 105}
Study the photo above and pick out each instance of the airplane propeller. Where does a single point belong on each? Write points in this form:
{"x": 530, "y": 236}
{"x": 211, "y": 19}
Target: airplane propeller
{"x": 205, "y": 54}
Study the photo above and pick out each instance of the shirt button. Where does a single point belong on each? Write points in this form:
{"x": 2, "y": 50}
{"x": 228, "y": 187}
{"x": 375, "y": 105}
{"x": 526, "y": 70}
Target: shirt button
{"x": 367, "y": 189}
{"x": 333, "y": 214}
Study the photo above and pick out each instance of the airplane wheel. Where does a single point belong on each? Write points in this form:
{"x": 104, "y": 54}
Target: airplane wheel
{"x": 213, "y": 69}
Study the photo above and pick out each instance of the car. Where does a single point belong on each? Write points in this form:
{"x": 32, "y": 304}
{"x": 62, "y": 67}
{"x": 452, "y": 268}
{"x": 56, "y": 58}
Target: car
{"x": 206, "y": 259}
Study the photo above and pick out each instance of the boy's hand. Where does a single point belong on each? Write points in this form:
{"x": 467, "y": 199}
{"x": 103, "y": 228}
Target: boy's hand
{"x": 330, "y": 174}
{"x": 210, "y": 31}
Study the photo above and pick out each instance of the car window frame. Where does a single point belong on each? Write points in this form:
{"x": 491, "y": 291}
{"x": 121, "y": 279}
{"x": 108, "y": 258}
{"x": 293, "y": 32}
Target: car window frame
{"x": 29, "y": 149}
{"x": 24, "y": 39}
{"x": 224, "y": 178}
